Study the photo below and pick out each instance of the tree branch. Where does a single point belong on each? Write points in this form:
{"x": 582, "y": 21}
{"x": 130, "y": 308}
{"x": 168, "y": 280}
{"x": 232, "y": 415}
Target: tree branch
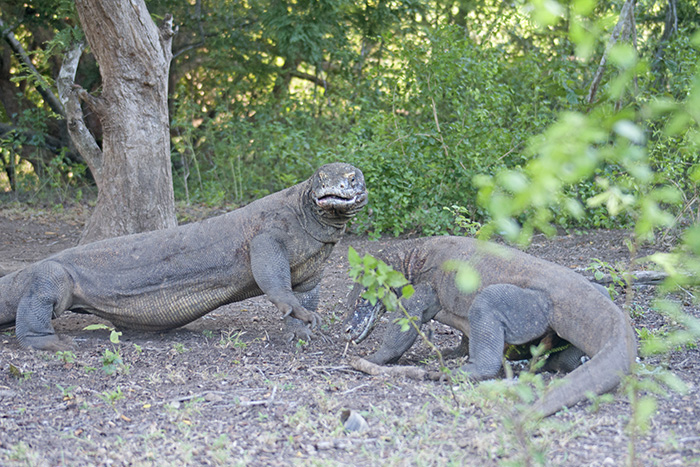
{"x": 318, "y": 81}
{"x": 69, "y": 94}
{"x": 42, "y": 85}
{"x": 626, "y": 15}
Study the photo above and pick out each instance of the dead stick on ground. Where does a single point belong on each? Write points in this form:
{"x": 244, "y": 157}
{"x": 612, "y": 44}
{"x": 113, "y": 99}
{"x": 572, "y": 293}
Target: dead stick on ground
{"x": 373, "y": 369}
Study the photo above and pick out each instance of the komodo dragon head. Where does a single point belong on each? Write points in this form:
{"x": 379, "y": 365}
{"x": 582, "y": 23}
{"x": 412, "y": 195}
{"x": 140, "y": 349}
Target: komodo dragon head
{"x": 362, "y": 319}
{"x": 338, "y": 190}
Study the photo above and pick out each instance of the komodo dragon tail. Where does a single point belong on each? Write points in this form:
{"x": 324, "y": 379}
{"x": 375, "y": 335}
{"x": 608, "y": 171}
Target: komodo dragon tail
{"x": 601, "y": 374}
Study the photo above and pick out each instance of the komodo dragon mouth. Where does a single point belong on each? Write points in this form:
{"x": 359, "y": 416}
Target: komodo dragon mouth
{"x": 363, "y": 319}
{"x": 340, "y": 201}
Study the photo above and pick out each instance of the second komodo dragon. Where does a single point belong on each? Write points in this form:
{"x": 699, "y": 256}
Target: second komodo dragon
{"x": 277, "y": 246}
{"x": 520, "y": 299}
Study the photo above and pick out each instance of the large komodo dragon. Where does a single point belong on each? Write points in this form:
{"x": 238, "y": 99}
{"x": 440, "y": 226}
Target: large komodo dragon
{"x": 520, "y": 299}
{"x": 277, "y": 246}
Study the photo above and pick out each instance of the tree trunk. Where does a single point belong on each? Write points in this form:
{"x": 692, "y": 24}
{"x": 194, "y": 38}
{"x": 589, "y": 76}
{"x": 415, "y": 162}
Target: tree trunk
{"x": 135, "y": 191}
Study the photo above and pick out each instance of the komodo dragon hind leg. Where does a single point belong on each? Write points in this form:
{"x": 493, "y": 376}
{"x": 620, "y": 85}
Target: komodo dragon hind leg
{"x": 47, "y": 296}
{"x": 502, "y": 313}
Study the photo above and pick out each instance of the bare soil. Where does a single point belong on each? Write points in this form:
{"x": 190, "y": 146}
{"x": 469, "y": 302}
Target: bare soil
{"x": 227, "y": 389}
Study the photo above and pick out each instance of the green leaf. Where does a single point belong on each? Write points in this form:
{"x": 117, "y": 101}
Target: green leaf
{"x": 114, "y": 336}
{"x": 95, "y": 327}
{"x": 353, "y": 257}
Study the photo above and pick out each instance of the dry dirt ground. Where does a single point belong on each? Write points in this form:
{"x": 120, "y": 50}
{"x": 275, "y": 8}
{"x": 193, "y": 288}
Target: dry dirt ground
{"x": 227, "y": 390}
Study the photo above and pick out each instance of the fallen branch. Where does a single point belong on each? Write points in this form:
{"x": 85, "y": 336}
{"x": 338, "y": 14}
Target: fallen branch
{"x": 373, "y": 369}
{"x": 638, "y": 277}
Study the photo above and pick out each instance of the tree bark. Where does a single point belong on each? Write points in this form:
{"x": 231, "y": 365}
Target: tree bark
{"x": 135, "y": 191}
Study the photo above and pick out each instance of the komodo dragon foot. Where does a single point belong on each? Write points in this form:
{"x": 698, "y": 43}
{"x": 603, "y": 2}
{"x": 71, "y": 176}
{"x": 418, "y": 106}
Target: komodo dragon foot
{"x": 51, "y": 343}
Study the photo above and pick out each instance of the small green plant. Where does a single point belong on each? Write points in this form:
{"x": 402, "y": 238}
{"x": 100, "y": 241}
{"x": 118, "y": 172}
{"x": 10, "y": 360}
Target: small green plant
{"x": 114, "y": 335}
{"x": 66, "y": 356}
{"x": 22, "y": 452}
{"x": 111, "y": 361}
{"x": 67, "y": 393}
{"x": 232, "y": 338}
{"x": 208, "y": 333}
{"x": 381, "y": 283}
{"x": 300, "y": 344}
{"x": 601, "y": 269}
{"x": 19, "y": 374}
{"x": 112, "y": 396}
{"x": 379, "y": 279}
{"x": 179, "y": 347}
{"x": 644, "y": 334}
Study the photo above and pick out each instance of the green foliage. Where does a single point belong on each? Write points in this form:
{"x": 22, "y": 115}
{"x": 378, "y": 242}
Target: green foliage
{"x": 379, "y": 279}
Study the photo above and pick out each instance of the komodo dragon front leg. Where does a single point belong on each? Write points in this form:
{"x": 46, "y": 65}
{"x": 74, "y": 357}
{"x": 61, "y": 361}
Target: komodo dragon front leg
{"x": 423, "y": 305}
{"x": 269, "y": 263}
{"x": 49, "y": 294}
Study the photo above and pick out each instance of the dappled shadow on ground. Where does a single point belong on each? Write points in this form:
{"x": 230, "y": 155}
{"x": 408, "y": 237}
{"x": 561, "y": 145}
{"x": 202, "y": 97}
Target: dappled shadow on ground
{"x": 227, "y": 389}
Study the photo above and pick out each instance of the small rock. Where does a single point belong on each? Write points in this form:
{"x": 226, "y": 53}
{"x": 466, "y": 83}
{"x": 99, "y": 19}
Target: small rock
{"x": 609, "y": 461}
{"x": 353, "y": 421}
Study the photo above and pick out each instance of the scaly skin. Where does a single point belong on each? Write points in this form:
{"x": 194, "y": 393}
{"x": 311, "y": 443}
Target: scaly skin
{"x": 520, "y": 299}
{"x": 276, "y": 246}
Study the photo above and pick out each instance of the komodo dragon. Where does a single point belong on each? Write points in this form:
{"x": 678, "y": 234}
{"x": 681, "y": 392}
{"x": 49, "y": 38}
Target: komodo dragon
{"x": 520, "y": 299}
{"x": 277, "y": 246}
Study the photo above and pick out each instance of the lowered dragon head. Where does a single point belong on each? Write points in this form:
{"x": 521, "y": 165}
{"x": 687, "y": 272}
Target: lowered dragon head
{"x": 338, "y": 190}
{"x": 362, "y": 319}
